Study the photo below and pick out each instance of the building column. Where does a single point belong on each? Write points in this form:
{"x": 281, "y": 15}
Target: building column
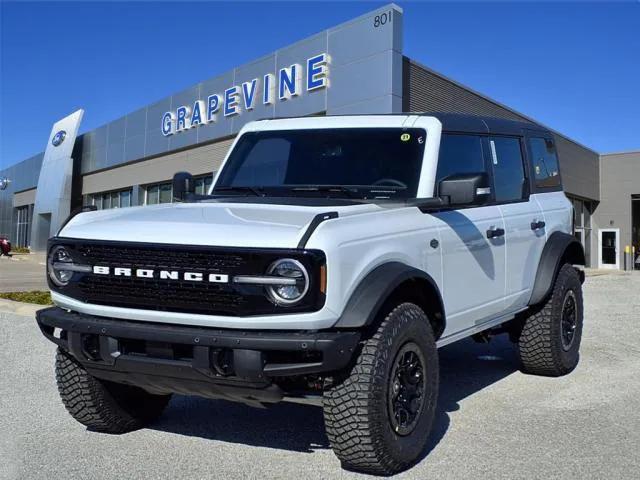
{"x": 137, "y": 196}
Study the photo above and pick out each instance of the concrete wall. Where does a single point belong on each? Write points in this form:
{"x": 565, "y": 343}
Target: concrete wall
{"x": 426, "y": 90}
{"x": 26, "y": 197}
{"x": 620, "y": 179}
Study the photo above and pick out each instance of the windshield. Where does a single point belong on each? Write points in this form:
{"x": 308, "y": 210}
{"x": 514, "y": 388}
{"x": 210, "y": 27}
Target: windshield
{"x": 345, "y": 162}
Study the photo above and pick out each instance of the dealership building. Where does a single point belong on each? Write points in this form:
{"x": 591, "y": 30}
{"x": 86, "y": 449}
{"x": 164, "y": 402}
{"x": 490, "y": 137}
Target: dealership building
{"x": 355, "y": 67}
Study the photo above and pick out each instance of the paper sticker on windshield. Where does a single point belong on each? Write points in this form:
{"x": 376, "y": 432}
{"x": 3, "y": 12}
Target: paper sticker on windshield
{"x": 405, "y": 137}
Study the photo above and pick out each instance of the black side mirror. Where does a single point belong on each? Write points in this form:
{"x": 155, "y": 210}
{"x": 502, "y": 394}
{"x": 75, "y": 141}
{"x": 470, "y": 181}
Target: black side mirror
{"x": 465, "y": 188}
{"x": 183, "y": 186}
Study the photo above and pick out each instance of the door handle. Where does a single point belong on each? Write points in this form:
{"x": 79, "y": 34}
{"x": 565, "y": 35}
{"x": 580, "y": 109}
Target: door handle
{"x": 537, "y": 225}
{"x": 495, "y": 233}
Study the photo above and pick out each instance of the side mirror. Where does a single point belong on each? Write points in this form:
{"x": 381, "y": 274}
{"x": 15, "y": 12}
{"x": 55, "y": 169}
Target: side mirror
{"x": 183, "y": 186}
{"x": 465, "y": 188}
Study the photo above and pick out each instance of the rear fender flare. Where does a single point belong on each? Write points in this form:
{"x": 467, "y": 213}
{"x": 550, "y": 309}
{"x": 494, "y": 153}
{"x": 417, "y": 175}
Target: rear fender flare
{"x": 560, "y": 248}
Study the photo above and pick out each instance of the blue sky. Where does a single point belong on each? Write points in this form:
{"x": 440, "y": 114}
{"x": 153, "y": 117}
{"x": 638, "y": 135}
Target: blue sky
{"x": 573, "y": 66}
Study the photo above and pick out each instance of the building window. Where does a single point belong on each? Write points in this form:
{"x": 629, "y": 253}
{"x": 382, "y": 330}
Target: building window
{"x": 23, "y": 225}
{"x": 159, "y": 193}
{"x": 116, "y": 199}
{"x": 163, "y": 192}
{"x": 203, "y": 184}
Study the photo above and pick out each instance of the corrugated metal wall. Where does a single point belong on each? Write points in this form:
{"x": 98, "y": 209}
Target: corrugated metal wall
{"x": 425, "y": 90}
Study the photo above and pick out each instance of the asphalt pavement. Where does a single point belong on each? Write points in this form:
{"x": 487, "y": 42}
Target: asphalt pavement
{"x": 21, "y": 273}
{"x": 493, "y": 422}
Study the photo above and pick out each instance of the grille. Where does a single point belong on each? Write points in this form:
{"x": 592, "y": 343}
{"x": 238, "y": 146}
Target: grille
{"x": 160, "y": 295}
{"x": 161, "y": 258}
{"x": 182, "y": 295}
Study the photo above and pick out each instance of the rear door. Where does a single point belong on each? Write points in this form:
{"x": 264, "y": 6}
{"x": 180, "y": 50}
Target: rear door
{"x": 473, "y": 269}
{"x": 523, "y": 219}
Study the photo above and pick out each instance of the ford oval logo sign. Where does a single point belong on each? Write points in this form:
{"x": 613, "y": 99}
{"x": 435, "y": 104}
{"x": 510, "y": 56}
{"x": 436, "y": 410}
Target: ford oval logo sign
{"x": 4, "y": 183}
{"x": 58, "y": 138}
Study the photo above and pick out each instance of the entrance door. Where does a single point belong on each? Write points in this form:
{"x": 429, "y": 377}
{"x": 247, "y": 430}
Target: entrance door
{"x": 608, "y": 248}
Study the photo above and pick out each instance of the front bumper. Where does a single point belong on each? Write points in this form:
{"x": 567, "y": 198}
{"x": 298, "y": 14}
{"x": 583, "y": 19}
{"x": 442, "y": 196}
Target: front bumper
{"x": 163, "y": 358}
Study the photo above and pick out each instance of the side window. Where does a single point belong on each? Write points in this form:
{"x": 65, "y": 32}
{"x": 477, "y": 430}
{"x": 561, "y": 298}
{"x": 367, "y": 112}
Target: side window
{"x": 508, "y": 169}
{"x": 459, "y": 154}
{"x": 545, "y": 162}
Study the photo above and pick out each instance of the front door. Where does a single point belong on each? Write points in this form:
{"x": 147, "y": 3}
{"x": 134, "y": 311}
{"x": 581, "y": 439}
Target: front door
{"x": 609, "y": 248}
{"x": 473, "y": 273}
{"x": 472, "y": 242}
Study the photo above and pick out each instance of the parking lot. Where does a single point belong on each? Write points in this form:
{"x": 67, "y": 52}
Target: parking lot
{"x": 492, "y": 421}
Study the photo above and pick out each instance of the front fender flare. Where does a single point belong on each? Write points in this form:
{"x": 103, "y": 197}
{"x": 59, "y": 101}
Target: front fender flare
{"x": 375, "y": 288}
{"x": 560, "y": 248}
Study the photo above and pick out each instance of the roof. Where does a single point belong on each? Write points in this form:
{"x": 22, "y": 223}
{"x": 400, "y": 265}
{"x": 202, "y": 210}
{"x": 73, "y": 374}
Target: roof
{"x": 458, "y": 122}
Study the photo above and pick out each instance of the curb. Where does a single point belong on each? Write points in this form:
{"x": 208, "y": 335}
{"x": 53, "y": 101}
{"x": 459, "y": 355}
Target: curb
{"x": 19, "y": 308}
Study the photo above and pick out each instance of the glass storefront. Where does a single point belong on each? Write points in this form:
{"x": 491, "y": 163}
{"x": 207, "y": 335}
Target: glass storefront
{"x": 582, "y": 210}
{"x": 163, "y": 192}
{"x": 24, "y": 215}
{"x": 116, "y": 199}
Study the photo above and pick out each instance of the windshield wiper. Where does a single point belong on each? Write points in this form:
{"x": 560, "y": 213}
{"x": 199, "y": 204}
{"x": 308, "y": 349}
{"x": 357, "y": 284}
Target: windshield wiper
{"x": 257, "y": 191}
{"x": 349, "y": 191}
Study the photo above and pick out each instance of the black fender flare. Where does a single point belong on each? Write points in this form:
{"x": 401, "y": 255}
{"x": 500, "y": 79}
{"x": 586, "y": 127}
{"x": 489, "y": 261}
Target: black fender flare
{"x": 560, "y": 248}
{"x": 376, "y": 287}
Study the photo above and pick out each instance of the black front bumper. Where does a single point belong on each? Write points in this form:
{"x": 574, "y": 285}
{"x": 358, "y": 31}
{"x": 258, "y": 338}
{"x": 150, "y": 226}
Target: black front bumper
{"x": 164, "y": 358}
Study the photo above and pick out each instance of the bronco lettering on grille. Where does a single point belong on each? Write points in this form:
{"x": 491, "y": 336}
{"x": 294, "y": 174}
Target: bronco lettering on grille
{"x": 161, "y": 274}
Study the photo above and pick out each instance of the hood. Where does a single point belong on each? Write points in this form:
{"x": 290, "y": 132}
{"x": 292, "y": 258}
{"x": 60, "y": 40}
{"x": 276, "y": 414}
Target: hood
{"x": 211, "y": 224}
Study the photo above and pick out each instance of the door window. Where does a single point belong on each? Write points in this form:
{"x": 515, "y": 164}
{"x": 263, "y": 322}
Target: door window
{"x": 459, "y": 154}
{"x": 508, "y": 169}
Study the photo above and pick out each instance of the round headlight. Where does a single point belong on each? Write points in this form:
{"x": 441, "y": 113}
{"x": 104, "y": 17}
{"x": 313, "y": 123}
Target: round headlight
{"x": 57, "y": 258}
{"x": 290, "y": 292}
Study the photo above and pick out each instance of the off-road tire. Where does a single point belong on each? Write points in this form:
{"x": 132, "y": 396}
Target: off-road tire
{"x": 540, "y": 343}
{"x": 356, "y": 408}
{"x": 104, "y": 406}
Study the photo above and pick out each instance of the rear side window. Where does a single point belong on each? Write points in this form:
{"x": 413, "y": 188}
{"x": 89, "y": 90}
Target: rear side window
{"x": 545, "y": 162}
{"x": 508, "y": 169}
{"x": 459, "y": 154}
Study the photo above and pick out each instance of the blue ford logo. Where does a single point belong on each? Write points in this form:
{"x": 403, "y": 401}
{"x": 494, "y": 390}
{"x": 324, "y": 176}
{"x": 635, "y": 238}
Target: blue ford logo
{"x": 58, "y": 138}
{"x": 4, "y": 183}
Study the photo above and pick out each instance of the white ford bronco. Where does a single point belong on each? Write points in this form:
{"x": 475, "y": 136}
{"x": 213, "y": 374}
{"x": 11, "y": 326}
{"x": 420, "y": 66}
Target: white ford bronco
{"x": 330, "y": 260}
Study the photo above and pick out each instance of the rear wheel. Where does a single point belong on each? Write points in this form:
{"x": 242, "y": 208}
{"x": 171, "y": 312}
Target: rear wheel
{"x": 104, "y": 406}
{"x": 378, "y": 415}
{"x": 549, "y": 343}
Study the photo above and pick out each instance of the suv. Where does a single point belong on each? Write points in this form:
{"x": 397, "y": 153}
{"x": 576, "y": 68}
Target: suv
{"x": 331, "y": 259}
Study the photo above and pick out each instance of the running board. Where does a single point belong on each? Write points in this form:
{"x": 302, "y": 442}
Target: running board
{"x": 480, "y": 327}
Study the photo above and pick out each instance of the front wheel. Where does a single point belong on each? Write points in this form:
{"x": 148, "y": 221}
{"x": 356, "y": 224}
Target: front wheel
{"x": 104, "y": 406}
{"x": 549, "y": 342}
{"x": 378, "y": 415}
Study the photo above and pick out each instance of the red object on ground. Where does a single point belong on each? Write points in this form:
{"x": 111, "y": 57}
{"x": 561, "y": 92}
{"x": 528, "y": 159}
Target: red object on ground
{"x": 5, "y": 246}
